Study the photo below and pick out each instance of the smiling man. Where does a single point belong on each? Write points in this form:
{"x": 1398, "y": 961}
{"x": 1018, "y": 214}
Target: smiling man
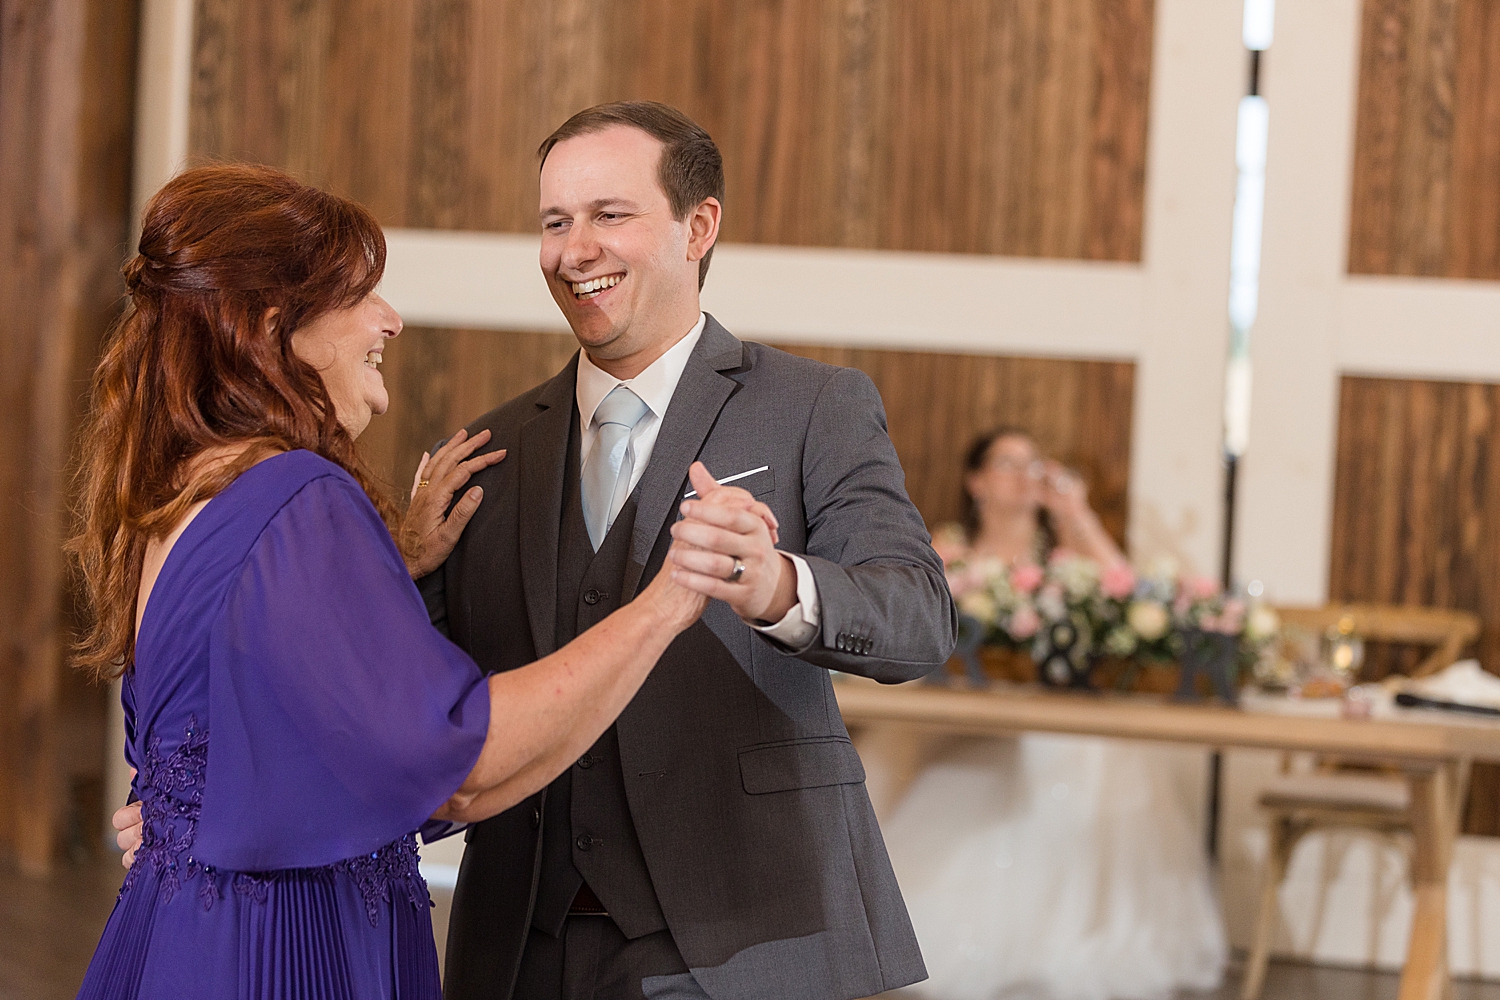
{"x": 717, "y": 841}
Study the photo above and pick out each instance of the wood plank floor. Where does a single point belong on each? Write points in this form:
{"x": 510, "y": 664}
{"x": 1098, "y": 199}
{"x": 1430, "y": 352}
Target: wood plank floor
{"x": 48, "y": 929}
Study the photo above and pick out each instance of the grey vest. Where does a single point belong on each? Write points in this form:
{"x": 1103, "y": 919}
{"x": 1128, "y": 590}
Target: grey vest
{"x": 587, "y": 832}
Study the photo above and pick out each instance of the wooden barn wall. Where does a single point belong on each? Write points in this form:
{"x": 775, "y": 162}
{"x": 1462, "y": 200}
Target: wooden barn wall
{"x": 1426, "y": 195}
{"x": 1080, "y": 411}
{"x": 1417, "y": 514}
{"x": 973, "y": 126}
{"x": 67, "y": 74}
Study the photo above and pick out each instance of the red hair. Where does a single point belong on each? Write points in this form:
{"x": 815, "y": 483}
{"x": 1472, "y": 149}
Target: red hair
{"x": 232, "y": 260}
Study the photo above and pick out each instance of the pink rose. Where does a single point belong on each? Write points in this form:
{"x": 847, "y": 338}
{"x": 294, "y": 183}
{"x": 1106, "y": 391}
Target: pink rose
{"x": 1026, "y": 577}
{"x": 1024, "y": 623}
{"x": 960, "y": 584}
{"x": 1117, "y": 581}
{"x": 1201, "y": 588}
{"x": 949, "y": 549}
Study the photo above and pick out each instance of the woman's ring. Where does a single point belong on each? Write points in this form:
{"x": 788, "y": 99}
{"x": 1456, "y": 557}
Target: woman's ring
{"x": 739, "y": 571}
{"x": 423, "y": 482}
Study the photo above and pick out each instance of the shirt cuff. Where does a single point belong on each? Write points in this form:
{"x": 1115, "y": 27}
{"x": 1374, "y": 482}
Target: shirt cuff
{"x": 799, "y": 626}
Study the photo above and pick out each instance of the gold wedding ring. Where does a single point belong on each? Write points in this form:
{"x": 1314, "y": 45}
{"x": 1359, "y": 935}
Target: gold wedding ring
{"x": 423, "y": 482}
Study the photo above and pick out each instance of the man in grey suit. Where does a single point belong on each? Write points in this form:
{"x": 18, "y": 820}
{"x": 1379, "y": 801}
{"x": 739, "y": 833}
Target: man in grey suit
{"x": 718, "y": 840}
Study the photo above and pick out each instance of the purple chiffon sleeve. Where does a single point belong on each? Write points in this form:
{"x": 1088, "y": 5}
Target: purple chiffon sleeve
{"x": 339, "y": 718}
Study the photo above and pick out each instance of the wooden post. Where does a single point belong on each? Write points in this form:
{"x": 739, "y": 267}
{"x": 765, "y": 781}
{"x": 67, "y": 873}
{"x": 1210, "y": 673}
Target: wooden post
{"x": 67, "y": 76}
{"x": 1434, "y": 820}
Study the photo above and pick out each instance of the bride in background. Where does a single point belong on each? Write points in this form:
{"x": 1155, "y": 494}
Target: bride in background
{"x": 1057, "y": 867}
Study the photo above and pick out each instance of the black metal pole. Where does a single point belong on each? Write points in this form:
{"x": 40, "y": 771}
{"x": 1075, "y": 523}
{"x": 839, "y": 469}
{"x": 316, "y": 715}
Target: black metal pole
{"x": 1216, "y": 759}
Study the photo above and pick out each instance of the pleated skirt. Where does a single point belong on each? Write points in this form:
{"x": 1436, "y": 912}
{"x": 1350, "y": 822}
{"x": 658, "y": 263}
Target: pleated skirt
{"x": 297, "y": 935}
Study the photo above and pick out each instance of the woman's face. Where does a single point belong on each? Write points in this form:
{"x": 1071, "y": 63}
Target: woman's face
{"x": 345, "y": 347}
{"x": 1010, "y": 481}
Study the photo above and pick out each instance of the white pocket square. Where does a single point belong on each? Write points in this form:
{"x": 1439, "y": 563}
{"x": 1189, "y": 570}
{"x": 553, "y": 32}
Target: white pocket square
{"x": 729, "y": 479}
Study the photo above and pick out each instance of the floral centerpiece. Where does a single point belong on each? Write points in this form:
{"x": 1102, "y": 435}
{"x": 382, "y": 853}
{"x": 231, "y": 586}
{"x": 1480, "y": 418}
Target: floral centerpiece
{"x": 1071, "y": 611}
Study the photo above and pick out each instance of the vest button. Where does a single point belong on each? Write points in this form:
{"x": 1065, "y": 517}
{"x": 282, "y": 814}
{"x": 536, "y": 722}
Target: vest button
{"x": 536, "y": 818}
{"x": 585, "y": 762}
{"x": 584, "y": 842}
{"x": 591, "y": 596}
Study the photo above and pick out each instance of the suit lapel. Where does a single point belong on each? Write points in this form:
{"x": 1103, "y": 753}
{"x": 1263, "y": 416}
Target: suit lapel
{"x": 544, "y": 446}
{"x": 700, "y": 395}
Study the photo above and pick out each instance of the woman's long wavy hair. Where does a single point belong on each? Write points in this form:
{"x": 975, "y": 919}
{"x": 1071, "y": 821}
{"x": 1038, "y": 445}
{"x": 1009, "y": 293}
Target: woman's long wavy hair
{"x": 232, "y": 260}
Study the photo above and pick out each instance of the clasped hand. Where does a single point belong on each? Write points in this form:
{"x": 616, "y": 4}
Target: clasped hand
{"x": 724, "y": 525}
{"x": 726, "y": 548}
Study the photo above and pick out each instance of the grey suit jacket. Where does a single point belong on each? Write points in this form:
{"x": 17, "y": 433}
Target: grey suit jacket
{"x": 745, "y": 791}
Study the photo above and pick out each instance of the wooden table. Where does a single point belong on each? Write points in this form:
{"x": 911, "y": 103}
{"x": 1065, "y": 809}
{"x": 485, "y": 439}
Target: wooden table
{"x": 1430, "y": 748}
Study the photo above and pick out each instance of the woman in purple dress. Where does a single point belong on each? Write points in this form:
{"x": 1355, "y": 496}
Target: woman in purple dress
{"x": 293, "y": 716}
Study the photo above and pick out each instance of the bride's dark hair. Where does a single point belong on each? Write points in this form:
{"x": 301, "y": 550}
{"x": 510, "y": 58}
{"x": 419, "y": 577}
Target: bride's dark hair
{"x": 232, "y": 260}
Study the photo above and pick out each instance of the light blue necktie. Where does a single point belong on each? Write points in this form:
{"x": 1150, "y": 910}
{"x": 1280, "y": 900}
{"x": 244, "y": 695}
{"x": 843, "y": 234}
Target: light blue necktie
{"x": 607, "y": 472}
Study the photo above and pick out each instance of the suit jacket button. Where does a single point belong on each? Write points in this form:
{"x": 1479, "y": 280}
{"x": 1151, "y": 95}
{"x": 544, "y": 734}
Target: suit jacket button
{"x": 591, "y": 596}
{"x": 584, "y": 842}
{"x": 842, "y": 642}
{"x": 585, "y": 762}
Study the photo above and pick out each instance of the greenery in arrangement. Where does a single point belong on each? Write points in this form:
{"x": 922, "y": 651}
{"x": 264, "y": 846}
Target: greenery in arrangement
{"x": 1111, "y": 610}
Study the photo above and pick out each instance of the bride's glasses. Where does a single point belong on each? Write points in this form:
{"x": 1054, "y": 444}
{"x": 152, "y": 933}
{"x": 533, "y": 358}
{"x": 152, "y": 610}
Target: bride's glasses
{"x": 1035, "y": 468}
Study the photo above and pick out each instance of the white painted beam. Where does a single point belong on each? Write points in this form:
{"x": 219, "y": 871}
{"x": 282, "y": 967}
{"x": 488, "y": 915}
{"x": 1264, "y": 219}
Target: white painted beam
{"x": 864, "y": 297}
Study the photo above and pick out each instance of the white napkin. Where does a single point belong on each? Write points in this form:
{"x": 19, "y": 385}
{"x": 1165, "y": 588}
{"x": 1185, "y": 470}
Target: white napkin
{"x": 1464, "y": 683}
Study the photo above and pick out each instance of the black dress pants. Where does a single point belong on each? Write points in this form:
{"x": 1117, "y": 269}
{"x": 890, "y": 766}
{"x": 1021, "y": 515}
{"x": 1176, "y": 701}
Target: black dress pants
{"x": 592, "y": 960}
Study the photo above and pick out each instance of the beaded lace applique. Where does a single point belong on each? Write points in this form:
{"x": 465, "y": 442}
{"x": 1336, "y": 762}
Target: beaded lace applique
{"x": 171, "y": 790}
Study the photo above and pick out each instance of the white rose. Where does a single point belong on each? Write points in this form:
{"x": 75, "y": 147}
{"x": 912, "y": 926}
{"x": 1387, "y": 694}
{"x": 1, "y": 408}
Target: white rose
{"x": 1149, "y": 619}
{"x": 1078, "y": 576}
{"x": 1263, "y": 623}
{"x": 1050, "y": 603}
{"x": 979, "y": 605}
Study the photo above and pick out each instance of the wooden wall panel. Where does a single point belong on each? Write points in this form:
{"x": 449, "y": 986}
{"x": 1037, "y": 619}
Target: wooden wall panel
{"x": 1426, "y": 195}
{"x": 67, "y": 74}
{"x": 1417, "y": 514}
{"x": 936, "y": 404}
{"x": 976, "y": 126}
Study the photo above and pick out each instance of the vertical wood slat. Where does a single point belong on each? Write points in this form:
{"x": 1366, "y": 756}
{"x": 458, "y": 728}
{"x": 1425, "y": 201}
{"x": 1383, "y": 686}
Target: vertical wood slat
{"x": 979, "y": 126}
{"x": 67, "y": 73}
{"x": 1427, "y": 140}
{"x": 1080, "y": 411}
{"x": 1417, "y": 515}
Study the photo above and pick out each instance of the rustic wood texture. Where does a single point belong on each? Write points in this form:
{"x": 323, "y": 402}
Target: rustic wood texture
{"x": 1079, "y": 411}
{"x": 1416, "y": 517}
{"x": 936, "y": 404}
{"x": 1427, "y": 144}
{"x": 67, "y": 74}
{"x": 979, "y": 126}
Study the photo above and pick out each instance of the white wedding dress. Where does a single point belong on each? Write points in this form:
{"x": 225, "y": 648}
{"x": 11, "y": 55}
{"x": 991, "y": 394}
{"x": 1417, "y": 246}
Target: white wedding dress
{"x": 1058, "y": 868}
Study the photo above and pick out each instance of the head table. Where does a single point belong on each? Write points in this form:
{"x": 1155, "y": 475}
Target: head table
{"x": 1430, "y": 748}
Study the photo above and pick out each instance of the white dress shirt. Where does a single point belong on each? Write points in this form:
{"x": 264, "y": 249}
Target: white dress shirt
{"x": 656, "y": 386}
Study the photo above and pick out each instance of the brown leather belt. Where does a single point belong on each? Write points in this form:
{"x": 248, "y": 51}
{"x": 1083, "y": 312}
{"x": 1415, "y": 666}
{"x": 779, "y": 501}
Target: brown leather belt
{"x": 586, "y": 904}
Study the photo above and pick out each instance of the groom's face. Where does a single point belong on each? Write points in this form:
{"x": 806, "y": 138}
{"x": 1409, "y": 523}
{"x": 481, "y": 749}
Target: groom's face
{"x": 617, "y": 262}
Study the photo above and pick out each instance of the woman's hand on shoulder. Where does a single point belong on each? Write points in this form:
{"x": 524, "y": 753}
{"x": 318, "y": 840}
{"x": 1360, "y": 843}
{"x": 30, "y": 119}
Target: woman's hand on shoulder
{"x": 429, "y": 531}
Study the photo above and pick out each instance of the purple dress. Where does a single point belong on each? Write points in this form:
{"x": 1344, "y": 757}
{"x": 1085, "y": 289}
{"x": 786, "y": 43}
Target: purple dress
{"x": 294, "y": 719}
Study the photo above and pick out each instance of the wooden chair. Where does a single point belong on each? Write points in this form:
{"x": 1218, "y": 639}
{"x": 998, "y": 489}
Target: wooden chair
{"x": 1333, "y": 795}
